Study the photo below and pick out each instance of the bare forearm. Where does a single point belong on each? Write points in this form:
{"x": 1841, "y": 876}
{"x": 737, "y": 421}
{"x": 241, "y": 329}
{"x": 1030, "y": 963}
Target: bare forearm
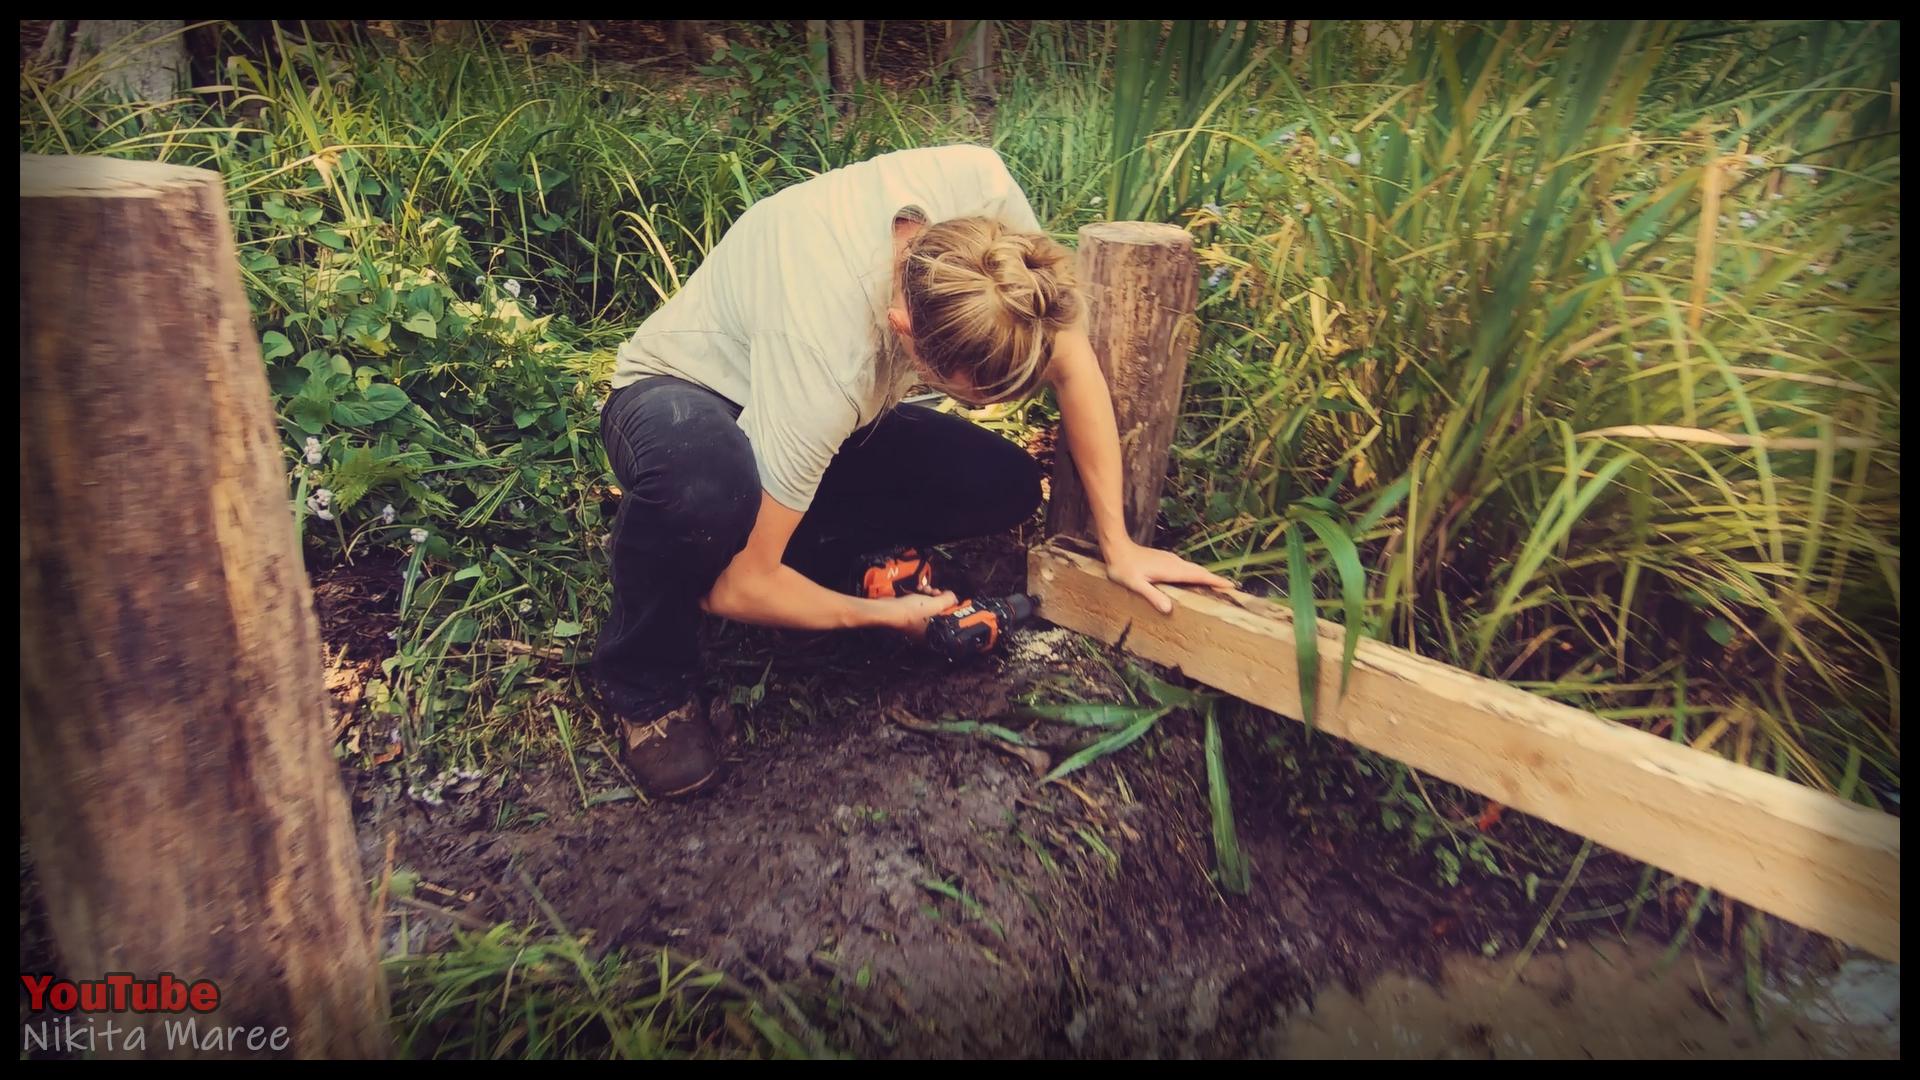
{"x": 1093, "y": 439}
{"x": 785, "y": 598}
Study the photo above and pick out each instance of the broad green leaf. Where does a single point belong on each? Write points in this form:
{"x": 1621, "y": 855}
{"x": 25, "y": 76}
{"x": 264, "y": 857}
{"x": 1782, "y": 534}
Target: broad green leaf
{"x": 274, "y": 344}
{"x": 378, "y": 402}
{"x": 422, "y": 324}
{"x": 311, "y": 413}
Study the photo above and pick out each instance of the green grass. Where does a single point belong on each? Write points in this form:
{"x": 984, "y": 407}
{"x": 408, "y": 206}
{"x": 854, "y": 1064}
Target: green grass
{"x": 517, "y": 993}
{"x": 1580, "y": 426}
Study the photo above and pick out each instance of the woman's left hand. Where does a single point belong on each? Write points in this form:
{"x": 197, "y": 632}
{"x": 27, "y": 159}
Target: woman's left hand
{"x": 1138, "y": 567}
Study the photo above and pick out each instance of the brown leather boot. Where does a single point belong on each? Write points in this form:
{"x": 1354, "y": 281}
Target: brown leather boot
{"x": 673, "y": 754}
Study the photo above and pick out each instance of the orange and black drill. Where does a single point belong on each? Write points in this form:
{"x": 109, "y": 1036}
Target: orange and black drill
{"x": 976, "y": 626}
{"x": 969, "y": 628}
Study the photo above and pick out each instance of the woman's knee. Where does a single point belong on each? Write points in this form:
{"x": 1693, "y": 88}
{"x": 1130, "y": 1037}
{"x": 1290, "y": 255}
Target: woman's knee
{"x": 1024, "y": 489}
{"x": 686, "y": 465}
{"x": 1009, "y": 489}
{"x": 711, "y": 493}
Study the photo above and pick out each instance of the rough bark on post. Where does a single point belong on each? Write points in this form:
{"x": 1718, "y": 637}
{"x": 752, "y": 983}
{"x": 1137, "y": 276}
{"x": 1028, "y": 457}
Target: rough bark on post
{"x": 177, "y": 787}
{"x": 1141, "y": 286}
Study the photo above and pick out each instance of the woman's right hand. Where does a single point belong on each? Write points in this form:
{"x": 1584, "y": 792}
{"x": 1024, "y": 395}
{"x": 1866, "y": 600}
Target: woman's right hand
{"x": 909, "y": 614}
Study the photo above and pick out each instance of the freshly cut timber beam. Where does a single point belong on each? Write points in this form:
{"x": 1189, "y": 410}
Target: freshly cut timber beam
{"x": 1800, "y": 854}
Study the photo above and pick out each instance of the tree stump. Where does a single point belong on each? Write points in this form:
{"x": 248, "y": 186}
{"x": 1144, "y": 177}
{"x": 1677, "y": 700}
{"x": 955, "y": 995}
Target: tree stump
{"x": 1141, "y": 285}
{"x": 177, "y": 787}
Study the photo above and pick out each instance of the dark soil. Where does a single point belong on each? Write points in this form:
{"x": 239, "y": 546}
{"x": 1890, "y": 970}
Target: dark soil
{"x": 827, "y": 862}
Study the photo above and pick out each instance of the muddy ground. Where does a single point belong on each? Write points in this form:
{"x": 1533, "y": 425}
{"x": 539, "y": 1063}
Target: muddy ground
{"x": 919, "y": 895}
{"x": 922, "y": 895}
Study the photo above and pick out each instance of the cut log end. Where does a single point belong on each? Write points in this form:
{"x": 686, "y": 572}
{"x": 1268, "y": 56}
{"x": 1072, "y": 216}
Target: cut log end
{"x": 55, "y": 176}
{"x": 1138, "y": 232}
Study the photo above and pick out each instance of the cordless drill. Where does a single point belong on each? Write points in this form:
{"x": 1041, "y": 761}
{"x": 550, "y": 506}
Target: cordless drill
{"x": 968, "y": 628}
{"x": 976, "y": 626}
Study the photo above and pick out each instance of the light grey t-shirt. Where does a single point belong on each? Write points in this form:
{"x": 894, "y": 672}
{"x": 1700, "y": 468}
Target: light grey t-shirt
{"x": 781, "y": 316}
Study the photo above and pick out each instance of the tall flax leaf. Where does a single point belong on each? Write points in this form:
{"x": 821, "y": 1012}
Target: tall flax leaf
{"x": 1353, "y": 583}
{"x": 1306, "y": 640}
{"x": 1228, "y": 858}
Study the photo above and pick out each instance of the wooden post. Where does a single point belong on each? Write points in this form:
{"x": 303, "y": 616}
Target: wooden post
{"x": 1141, "y": 286}
{"x": 177, "y": 787}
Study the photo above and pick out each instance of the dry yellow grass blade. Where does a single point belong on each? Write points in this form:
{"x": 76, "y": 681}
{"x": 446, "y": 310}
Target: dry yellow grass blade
{"x": 1711, "y": 178}
{"x": 1676, "y": 433}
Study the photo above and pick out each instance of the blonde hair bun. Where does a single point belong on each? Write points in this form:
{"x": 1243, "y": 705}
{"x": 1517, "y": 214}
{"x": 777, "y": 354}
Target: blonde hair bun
{"x": 986, "y": 302}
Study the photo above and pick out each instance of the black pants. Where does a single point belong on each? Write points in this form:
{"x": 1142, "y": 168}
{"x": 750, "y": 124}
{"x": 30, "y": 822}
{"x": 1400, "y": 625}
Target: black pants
{"x": 690, "y": 493}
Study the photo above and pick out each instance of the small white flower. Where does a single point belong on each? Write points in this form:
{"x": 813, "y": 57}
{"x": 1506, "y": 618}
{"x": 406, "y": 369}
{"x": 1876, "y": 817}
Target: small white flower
{"x": 1748, "y": 220}
{"x": 393, "y": 635}
{"x": 318, "y": 504}
{"x": 512, "y": 287}
{"x": 1251, "y": 109}
{"x": 1334, "y": 140}
{"x": 387, "y": 515}
{"x": 419, "y": 536}
{"x": 1214, "y": 209}
{"x": 314, "y": 453}
{"x": 1803, "y": 170}
{"x": 1638, "y": 356}
{"x": 520, "y": 506}
{"x": 1287, "y": 137}
{"x": 1095, "y": 201}
{"x": 1723, "y": 219}
{"x": 599, "y": 404}
{"x": 1214, "y": 278}
{"x": 1301, "y": 207}
{"x": 526, "y": 607}
{"x": 1353, "y": 158}
{"x": 1842, "y": 286}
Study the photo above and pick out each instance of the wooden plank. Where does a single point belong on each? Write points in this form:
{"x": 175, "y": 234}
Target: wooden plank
{"x": 1805, "y": 856}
